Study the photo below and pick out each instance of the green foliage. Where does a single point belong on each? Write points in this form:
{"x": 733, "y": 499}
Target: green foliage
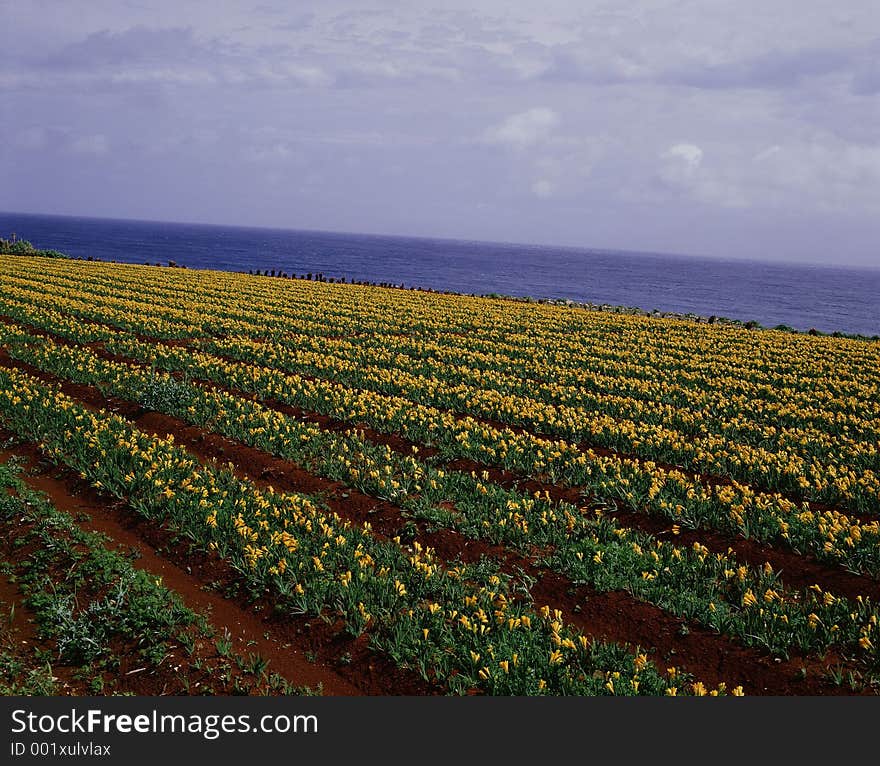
{"x": 163, "y": 393}
{"x": 18, "y": 678}
{"x": 88, "y": 599}
{"x": 15, "y": 246}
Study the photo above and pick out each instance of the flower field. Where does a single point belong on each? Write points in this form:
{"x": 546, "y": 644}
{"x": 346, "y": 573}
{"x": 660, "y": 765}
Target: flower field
{"x": 396, "y": 492}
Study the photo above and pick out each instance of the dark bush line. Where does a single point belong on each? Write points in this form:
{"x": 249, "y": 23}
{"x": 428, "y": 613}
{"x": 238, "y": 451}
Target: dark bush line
{"x": 15, "y": 246}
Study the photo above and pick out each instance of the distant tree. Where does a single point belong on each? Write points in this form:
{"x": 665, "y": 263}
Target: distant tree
{"x": 16, "y": 246}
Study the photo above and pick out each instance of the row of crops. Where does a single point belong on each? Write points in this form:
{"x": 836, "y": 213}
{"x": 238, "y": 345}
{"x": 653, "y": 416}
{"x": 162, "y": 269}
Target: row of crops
{"x": 638, "y": 433}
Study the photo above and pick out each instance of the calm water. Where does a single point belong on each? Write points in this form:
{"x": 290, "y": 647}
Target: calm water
{"x": 800, "y": 296}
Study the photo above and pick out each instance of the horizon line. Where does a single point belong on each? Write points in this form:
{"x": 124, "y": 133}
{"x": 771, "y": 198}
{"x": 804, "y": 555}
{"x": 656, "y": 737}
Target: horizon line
{"x": 463, "y": 240}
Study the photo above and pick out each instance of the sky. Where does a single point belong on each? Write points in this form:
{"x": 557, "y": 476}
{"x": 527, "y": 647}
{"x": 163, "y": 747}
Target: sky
{"x": 729, "y": 128}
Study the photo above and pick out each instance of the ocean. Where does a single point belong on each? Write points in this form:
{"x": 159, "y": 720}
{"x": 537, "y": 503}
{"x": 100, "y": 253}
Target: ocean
{"x": 826, "y": 298}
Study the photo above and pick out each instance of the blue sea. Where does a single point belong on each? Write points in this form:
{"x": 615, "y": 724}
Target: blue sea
{"x": 800, "y": 296}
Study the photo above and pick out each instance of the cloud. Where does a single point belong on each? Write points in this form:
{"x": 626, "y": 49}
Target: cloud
{"x": 61, "y": 138}
{"x": 680, "y": 165}
{"x": 632, "y": 58}
{"x": 689, "y": 154}
{"x": 139, "y": 44}
{"x": 174, "y": 56}
{"x": 523, "y": 129}
{"x": 576, "y": 62}
{"x": 683, "y": 172}
{"x": 765, "y": 154}
{"x": 543, "y": 188}
{"x": 822, "y": 174}
{"x": 772, "y": 69}
{"x": 311, "y": 76}
{"x": 274, "y": 152}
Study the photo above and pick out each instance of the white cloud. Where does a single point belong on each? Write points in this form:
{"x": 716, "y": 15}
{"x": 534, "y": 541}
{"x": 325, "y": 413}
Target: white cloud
{"x": 819, "y": 173}
{"x": 524, "y": 129}
{"x": 312, "y": 76}
{"x": 683, "y": 171}
{"x": 680, "y": 167}
{"x": 688, "y": 157}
